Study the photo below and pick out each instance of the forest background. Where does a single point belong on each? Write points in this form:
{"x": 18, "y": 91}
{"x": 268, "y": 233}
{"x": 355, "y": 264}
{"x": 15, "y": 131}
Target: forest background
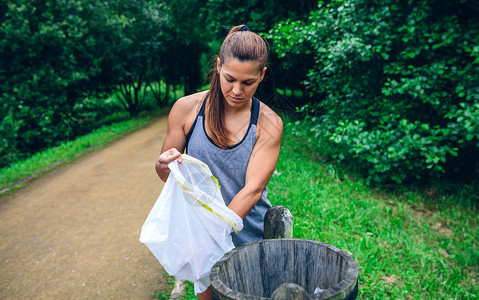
{"x": 389, "y": 90}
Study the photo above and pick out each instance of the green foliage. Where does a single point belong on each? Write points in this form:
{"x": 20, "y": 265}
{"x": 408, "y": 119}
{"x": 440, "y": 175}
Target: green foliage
{"x": 259, "y": 15}
{"x": 138, "y": 35}
{"x": 60, "y": 60}
{"x": 400, "y": 242}
{"x": 164, "y": 293}
{"x": 43, "y": 72}
{"x": 186, "y": 44}
{"x": 189, "y": 292}
{"x": 397, "y": 84}
{"x": 68, "y": 67}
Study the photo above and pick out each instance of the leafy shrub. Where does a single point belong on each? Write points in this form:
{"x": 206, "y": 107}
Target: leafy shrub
{"x": 58, "y": 56}
{"x": 396, "y": 84}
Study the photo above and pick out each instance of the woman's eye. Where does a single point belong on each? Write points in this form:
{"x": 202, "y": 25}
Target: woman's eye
{"x": 233, "y": 80}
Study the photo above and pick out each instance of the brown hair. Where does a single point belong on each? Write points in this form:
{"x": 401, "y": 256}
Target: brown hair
{"x": 243, "y": 45}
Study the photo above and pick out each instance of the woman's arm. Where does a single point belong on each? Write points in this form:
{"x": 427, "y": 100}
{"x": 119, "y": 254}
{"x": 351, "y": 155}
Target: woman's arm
{"x": 180, "y": 120}
{"x": 262, "y": 162}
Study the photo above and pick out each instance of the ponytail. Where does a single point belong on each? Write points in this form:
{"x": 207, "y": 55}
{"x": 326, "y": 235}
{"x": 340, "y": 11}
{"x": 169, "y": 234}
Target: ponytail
{"x": 215, "y": 110}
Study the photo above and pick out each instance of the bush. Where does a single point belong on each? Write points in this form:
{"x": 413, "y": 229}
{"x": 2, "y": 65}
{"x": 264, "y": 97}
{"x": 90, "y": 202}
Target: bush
{"x": 396, "y": 83}
{"x": 59, "y": 57}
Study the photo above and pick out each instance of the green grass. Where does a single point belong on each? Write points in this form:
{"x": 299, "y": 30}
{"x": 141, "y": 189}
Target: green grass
{"x": 189, "y": 292}
{"x": 406, "y": 246}
{"x": 165, "y": 292}
{"x": 68, "y": 151}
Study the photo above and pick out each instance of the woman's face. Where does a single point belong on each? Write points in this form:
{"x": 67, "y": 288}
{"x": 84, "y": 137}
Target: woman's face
{"x": 239, "y": 81}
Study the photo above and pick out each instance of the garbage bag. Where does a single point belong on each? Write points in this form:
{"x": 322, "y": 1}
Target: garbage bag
{"x": 189, "y": 227}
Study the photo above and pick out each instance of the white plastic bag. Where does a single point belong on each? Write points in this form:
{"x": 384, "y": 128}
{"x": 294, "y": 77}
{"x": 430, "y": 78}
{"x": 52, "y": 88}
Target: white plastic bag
{"x": 188, "y": 228}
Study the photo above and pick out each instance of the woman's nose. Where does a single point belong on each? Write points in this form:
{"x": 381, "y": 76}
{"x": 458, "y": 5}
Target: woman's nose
{"x": 237, "y": 89}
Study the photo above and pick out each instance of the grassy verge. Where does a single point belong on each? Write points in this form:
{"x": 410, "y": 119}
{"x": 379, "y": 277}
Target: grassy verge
{"x": 189, "y": 292}
{"x": 67, "y": 151}
{"x": 164, "y": 293}
{"x": 407, "y": 247}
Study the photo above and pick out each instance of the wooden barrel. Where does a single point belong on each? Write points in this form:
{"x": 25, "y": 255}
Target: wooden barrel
{"x": 255, "y": 270}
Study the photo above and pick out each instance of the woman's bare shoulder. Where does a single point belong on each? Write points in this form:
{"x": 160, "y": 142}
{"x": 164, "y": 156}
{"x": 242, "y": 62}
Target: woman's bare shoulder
{"x": 189, "y": 103}
{"x": 184, "y": 111}
{"x": 269, "y": 120}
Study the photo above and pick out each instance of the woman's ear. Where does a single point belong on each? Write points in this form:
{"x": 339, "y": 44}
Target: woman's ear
{"x": 263, "y": 73}
{"x": 218, "y": 65}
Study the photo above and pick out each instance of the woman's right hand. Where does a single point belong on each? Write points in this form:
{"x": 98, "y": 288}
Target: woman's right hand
{"x": 168, "y": 156}
{"x": 181, "y": 117}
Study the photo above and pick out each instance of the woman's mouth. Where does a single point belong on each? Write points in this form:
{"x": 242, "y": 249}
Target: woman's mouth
{"x": 236, "y": 98}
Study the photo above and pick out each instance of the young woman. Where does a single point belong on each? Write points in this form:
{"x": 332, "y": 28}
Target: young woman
{"x": 235, "y": 134}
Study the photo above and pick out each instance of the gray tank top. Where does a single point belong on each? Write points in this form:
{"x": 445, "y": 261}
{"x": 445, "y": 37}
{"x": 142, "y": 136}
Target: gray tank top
{"x": 229, "y": 167}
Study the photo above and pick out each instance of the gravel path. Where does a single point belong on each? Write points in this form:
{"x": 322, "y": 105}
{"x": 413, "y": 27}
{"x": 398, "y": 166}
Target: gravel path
{"x": 73, "y": 233}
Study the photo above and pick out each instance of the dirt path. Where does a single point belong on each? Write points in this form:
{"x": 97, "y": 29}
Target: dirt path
{"x": 73, "y": 233}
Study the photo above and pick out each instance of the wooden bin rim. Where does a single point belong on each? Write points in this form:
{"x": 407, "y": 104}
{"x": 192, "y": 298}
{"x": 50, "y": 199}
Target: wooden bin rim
{"x": 341, "y": 289}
